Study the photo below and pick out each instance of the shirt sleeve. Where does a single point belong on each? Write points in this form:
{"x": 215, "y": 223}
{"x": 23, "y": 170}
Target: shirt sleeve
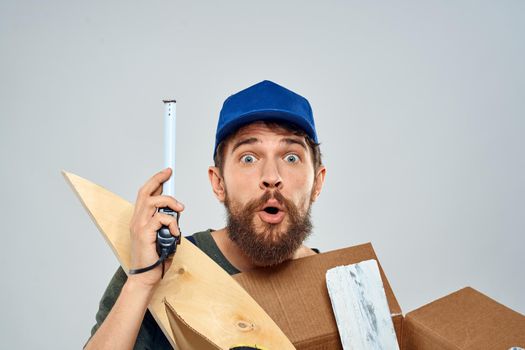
{"x": 150, "y": 336}
{"x": 108, "y": 299}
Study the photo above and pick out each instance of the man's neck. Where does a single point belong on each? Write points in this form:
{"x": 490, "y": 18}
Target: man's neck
{"x": 236, "y": 256}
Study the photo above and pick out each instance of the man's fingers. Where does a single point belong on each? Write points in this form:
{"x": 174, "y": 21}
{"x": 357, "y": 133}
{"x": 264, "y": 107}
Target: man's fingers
{"x": 157, "y": 191}
{"x": 165, "y": 201}
{"x": 151, "y": 204}
{"x": 152, "y": 187}
{"x": 160, "y": 220}
{"x": 154, "y": 184}
{"x": 174, "y": 228}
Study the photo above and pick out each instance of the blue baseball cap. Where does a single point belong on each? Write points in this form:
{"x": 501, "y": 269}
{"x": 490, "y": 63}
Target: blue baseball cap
{"x": 264, "y": 101}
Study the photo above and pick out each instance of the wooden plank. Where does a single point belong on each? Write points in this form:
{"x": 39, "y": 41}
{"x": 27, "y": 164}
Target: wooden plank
{"x": 360, "y": 307}
{"x": 209, "y": 304}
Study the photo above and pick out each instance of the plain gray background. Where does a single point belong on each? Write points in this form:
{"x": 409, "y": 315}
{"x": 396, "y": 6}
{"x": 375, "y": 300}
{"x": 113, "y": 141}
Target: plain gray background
{"x": 419, "y": 107}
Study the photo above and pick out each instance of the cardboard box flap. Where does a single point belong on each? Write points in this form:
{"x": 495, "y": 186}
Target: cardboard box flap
{"x": 465, "y": 319}
{"x": 295, "y": 296}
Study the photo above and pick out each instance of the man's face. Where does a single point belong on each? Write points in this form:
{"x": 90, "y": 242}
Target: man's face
{"x": 268, "y": 181}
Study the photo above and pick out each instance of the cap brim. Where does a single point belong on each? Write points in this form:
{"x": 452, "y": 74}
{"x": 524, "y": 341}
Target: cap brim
{"x": 265, "y": 115}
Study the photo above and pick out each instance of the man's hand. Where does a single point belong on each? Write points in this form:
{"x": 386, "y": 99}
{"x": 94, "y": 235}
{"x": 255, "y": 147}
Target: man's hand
{"x": 120, "y": 328}
{"x": 145, "y": 223}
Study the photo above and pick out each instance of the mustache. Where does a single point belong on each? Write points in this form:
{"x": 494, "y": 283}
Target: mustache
{"x": 255, "y": 204}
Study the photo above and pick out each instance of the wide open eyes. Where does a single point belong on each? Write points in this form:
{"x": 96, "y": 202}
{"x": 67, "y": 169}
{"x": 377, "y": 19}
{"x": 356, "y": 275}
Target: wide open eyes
{"x": 248, "y": 159}
{"x": 292, "y": 158}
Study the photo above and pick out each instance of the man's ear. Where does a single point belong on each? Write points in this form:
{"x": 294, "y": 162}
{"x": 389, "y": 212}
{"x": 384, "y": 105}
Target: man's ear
{"x": 318, "y": 182}
{"x": 217, "y": 183}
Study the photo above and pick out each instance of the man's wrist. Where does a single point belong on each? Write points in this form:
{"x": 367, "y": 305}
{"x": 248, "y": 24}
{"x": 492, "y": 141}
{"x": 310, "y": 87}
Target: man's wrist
{"x": 138, "y": 288}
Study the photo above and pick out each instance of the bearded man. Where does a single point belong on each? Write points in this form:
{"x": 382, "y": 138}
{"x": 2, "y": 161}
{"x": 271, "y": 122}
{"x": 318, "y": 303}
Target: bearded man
{"x": 267, "y": 172}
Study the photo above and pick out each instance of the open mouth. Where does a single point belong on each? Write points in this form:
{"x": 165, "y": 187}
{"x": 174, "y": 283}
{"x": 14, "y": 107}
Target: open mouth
{"x": 271, "y": 210}
{"x": 272, "y": 214}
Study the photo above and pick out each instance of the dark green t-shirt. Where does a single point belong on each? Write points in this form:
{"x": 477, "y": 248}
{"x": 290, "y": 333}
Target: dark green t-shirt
{"x": 150, "y": 335}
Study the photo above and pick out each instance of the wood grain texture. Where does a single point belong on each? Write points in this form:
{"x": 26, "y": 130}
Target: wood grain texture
{"x": 206, "y": 304}
{"x": 360, "y": 307}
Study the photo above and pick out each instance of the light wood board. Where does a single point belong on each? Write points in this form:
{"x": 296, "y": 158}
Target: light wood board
{"x": 206, "y": 305}
{"x": 360, "y": 307}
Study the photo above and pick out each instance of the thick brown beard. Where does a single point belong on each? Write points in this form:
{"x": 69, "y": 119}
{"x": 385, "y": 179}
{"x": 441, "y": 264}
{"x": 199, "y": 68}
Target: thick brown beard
{"x": 268, "y": 247}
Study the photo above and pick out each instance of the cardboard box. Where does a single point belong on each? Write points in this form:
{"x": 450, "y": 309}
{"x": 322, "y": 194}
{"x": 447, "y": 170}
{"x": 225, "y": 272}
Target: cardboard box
{"x": 295, "y": 296}
{"x": 464, "y": 320}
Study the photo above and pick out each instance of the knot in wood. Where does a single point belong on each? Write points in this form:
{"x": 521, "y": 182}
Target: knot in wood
{"x": 245, "y": 326}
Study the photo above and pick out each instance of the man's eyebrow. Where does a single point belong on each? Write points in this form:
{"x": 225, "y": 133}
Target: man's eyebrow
{"x": 290, "y": 141}
{"x": 247, "y": 141}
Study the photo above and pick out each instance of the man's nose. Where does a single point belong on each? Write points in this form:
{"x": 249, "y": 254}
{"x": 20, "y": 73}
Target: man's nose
{"x": 271, "y": 179}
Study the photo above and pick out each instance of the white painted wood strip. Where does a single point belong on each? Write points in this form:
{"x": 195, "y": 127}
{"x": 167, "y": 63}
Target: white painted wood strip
{"x": 360, "y": 307}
